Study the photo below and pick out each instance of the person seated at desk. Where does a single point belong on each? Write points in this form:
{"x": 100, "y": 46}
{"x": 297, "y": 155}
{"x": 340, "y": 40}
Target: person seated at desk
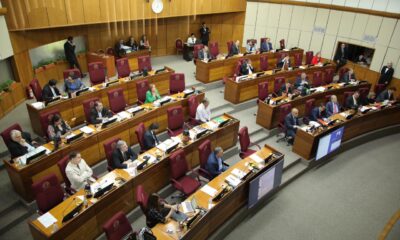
{"x": 20, "y": 144}
{"x": 215, "y": 164}
{"x": 120, "y": 48}
{"x": 203, "y": 111}
{"x": 73, "y": 83}
{"x": 301, "y": 81}
{"x": 132, "y": 43}
{"x": 286, "y": 89}
{"x": 191, "y": 40}
{"x": 251, "y": 47}
{"x": 266, "y": 45}
{"x": 370, "y": 99}
{"x": 121, "y": 155}
{"x": 185, "y": 138}
{"x": 235, "y": 48}
{"x": 144, "y": 43}
{"x": 99, "y": 113}
{"x": 158, "y": 211}
{"x": 150, "y": 137}
{"x": 77, "y": 171}
{"x": 246, "y": 68}
{"x": 318, "y": 112}
{"x": 284, "y": 63}
{"x": 353, "y": 101}
{"x": 291, "y": 124}
{"x": 57, "y": 128}
{"x": 386, "y": 95}
{"x": 152, "y": 94}
{"x": 50, "y": 90}
{"x": 332, "y": 107}
{"x": 316, "y": 59}
{"x": 349, "y": 76}
{"x": 204, "y": 54}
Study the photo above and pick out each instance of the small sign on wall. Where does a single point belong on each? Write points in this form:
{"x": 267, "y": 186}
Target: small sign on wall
{"x": 369, "y": 38}
{"x": 319, "y": 30}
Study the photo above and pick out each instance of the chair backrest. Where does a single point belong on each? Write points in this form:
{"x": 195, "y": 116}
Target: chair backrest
{"x": 363, "y": 92}
{"x": 109, "y": 147}
{"x": 142, "y": 198}
{"x": 309, "y": 57}
{"x": 178, "y": 164}
{"x": 278, "y": 82}
{"x": 141, "y": 88}
{"x": 252, "y": 40}
{"x": 262, "y": 90}
{"x": 178, "y": 43}
{"x": 139, "y": 131}
{"x": 229, "y": 45}
{"x": 309, "y": 107}
{"x": 237, "y": 68}
{"x": 342, "y": 71}
{"x": 48, "y": 192}
{"x": 329, "y": 75}
{"x": 193, "y": 103}
{"x": 36, "y": 89}
{"x": 204, "y": 151}
{"x": 97, "y": 72}
{"x": 283, "y": 111}
{"x": 117, "y": 227}
{"x": 175, "y": 117}
{"x": 176, "y": 83}
{"x": 379, "y": 88}
{"x": 244, "y": 139}
{"x": 280, "y": 56}
{"x": 317, "y": 79}
{"x": 264, "y": 62}
{"x": 196, "y": 50}
{"x": 298, "y": 59}
{"x": 214, "y": 50}
{"x": 110, "y": 51}
{"x": 144, "y": 62}
{"x": 76, "y": 72}
{"x": 263, "y": 40}
{"x": 62, "y": 164}
{"x": 345, "y": 96}
{"x": 88, "y": 104}
{"x": 45, "y": 119}
{"x": 282, "y": 43}
{"x": 123, "y": 68}
{"x": 5, "y": 134}
{"x": 117, "y": 100}
{"x": 327, "y": 98}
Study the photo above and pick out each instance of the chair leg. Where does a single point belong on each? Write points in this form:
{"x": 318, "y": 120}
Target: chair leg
{"x": 180, "y": 196}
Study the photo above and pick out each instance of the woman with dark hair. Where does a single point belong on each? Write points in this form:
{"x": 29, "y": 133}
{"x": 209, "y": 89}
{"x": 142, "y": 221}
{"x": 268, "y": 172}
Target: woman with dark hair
{"x": 57, "y": 127}
{"x": 132, "y": 43}
{"x": 144, "y": 43}
{"x": 158, "y": 211}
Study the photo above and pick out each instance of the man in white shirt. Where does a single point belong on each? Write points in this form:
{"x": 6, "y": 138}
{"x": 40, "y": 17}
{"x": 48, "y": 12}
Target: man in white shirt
{"x": 191, "y": 40}
{"x": 203, "y": 112}
{"x": 77, "y": 171}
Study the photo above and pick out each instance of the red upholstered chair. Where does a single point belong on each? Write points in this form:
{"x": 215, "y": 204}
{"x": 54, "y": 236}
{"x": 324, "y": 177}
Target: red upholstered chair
{"x": 179, "y": 180}
{"x": 178, "y": 45}
{"x": 48, "y": 193}
{"x": 139, "y": 131}
{"x": 345, "y": 96}
{"x": 144, "y": 62}
{"x": 283, "y": 111}
{"x": 142, "y": 198}
{"x": 110, "y": 51}
{"x": 379, "y": 88}
{"x": 342, "y": 71}
{"x": 73, "y": 70}
{"x": 245, "y": 143}
{"x": 36, "y": 89}
{"x": 176, "y": 83}
{"x": 109, "y": 146}
{"x": 282, "y": 43}
{"x": 175, "y": 121}
{"x": 117, "y": 100}
{"x": 97, "y": 73}
{"x": 317, "y": 79}
{"x": 298, "y": 59}
{"x": 278, "y": 82}
{"x": 62, "y": 164}
{"x": 262, "y": 91}
{"x": 123, "y": 68}
{"x": 309, "y": 57}
{"x": 238, "y": 66}
{"x": 204, "y": 150}
{"x": 88, "y": 104}
{"x": 280, "y": 56}
{"x": 229, "y": 46}
{"x": 363, "y": 93}
{"x": 6, "y": 133}
{"x": 45, "y": 119}
{"x": 263, "y": 40}
{"x": 214, "y": 50}
{"x": 196, "y": 50}
{"x": 193, "y": 103}
{"x": 308, "y": 108}
{"x": 141, "y": 88}
{"x": 263, "y": 62}
{"x": 329, "y": 75}
{"x": 117, "y": 227}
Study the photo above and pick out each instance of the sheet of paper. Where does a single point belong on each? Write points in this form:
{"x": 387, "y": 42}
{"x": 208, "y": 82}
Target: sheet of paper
{"x": 256, "y": 158}
{"x": 232, "y": 180}
{"x": 209, "y": 190}
{"x": 47, "y": 219}
{"x": 86, "y": 130}
{"x": 38, "y": 105}
{"x": 131, "y": 171}
{"x": 238, "y": 173}
{"x": 135, "y": 109}
{"x": 124, "y": 115}
{"x": 41, "y": 148}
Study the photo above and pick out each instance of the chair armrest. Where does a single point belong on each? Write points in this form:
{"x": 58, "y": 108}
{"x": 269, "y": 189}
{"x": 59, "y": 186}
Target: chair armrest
{"x": 195, "y": 174}
{"x": 255, "y": 144}
{"x": 170, "y": 131}
{"x": 177, "y": 183}
{"x": 204, "y": 172}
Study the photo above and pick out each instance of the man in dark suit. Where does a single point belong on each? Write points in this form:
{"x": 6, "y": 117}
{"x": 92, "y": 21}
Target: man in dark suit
{"x": 20, "y": 143}
{"x": 121, "y": 155}
{"x": 301, "y": 81}
{"x": 150, "y": 136}
{"x": 50, "y": 90}
{"x": 341, "y": 56}
{"x": 348, "y": 76}
{"x": 266, "y": 46}
{"x": 292, "y": 123}
{"x": 246, "y": 68}
{"x": 215, "y": 164}
{"x": 98, "y": 113}
{"x": 386, "y": 95}
{"x": 204, "y": 54}
{"x": 286, "y": 89}
{"x": 204, "y": 34}
{"x": 69, "y": 51}
{"x": 284, "y": 63}
{"x": 386, "y": 74}
{"x": 119, "y": 48}
{"x": 235, "y": 48}
{"x": 318, "y": 112}
{"x": 353, "y": 101}
{"x": 332, "y": 107}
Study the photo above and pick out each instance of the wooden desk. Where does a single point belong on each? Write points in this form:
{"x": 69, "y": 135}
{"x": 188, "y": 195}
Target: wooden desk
{"x": 91, "y": 146}
{"x": 133, "y": 58}
{"x": 217, "y": 69}
{"x": 88, "y": 224}
{"x": 107, "y": 60}
{"x": 238, "y": 92}
{"x": 268, "y": 115}
{"x": 305, "y": 144}
{"x": 73, "y": 108}
{"x": 222, "y": 210}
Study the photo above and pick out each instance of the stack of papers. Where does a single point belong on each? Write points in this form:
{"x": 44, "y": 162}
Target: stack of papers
{"x": 131, "y": 171}
{"x": 315, "y": 124}
{"x": 47, "y": 219}
{"x": 232, "y": 180}
{"x": 135, "y": 109}
{"x": 166, "y": 144}
{"x": 212, "y": 125}
{"x": 238, "y": 173}
{"x": 38, "y": 105}
{"x": 86, "y": 130}
{"x": 209, "y": 190}
{"x": 124, "y": 115}
{"x": 256, "y": 158}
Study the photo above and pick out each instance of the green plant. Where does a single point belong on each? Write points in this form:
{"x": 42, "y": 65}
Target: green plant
{"x": 5, "y": 86}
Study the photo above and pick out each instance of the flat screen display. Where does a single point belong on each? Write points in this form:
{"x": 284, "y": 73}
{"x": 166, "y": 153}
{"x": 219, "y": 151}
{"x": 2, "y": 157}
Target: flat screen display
{"x": 329, "y": 143}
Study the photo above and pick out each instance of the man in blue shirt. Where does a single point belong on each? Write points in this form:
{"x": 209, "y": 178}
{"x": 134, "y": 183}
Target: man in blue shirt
{"x": 73, "y": 83}
{"x": 215, "y": 164}
{"x": 266, "y": 46}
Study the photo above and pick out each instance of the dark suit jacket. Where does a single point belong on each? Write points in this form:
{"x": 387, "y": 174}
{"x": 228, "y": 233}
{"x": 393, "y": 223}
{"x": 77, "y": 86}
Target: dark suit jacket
{"x": 16, "y": 149}
{"x": 69, "y": 52}
{"x": 280, "y": 64}
{"x": 118, "y": 159}
{"x": 244, "y": 70}
{"x": 386, "y": 77}
{"x": 283, "y": 90}
{"x": 290, "y": 122}
{"x": 384, "y": 95}
{"x": 201, "y": 55}
{"x": 341, "y": 56}
{"x": 94, "y": 115}
{"x": 212, "y": 165}
{"x": 205, "y": 34}
{"x": 346, "y": 77}
{"x": 234, "y": 50}
{"x": 350, "y": 103}
{"x": 263, "y": 47}
{"x": 329, "y": 108}
{"x": 149, "y": 141}
{"x": 297, "y": 84}
{"x": 317, "y": 114}
{"x": 47, "y": 94}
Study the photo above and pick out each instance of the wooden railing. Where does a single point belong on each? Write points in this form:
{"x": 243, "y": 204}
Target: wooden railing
{"x": 392, "y": 221}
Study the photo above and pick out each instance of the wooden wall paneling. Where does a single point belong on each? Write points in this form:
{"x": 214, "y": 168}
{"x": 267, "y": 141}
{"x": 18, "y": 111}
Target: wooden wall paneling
{"x": 18, "y": 42}
{"x": 108, "y": 10}
{"x": 6, "y": 102}
{"x": 207, "y": 6}
{"x": 75, "y": 11}
{"x": 91, "y": 10}
{"x": 17, "y": 15}
{"x": 216, "y": 6}
{"x": 161, "y": 37}
{"x": 166, "y": 12}
{"x": 179, "y": 7}
{"x": 148, "y": 13}
{"x": 37, "y": 13}
{"x": 21, "y": 63}
{"x": 93, "y": 38}
{"x": 172, "y": 33}
{"x": 56, "y": 12}
{"x": 137, "y": 10}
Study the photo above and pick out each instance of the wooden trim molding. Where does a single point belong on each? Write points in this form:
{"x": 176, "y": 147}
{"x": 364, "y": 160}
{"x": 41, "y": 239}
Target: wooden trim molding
{"x": 332, "y": 7}
{"x": 3, "y": 11}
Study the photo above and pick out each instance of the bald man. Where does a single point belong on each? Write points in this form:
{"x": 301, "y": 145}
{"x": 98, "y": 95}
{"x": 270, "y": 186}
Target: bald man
{"x": 292, "y": 123}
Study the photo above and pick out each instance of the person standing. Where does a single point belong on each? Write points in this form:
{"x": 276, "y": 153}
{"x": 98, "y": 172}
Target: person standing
{"x": 341, "y": 56}
{"x": 386, "y": 74}
{"x": 69, "y": 51}
{"x": 204, "y": 34}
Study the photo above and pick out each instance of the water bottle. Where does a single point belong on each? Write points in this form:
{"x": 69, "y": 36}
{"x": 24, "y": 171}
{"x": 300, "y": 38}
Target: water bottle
{"x": 88, "y": 192}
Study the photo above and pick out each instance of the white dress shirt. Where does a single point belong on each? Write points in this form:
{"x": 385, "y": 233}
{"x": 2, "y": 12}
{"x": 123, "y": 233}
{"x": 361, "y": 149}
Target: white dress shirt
{"x": 202, "y": 113}
{"x": 191, "y": 41}
{"x": 78, "y": 174}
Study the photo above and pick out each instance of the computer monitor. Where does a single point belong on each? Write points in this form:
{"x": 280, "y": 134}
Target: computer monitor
{"x": 329, "y": 143}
